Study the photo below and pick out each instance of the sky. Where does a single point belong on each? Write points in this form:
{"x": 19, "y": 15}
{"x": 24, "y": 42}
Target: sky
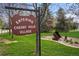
{"x": 55, "y": 6}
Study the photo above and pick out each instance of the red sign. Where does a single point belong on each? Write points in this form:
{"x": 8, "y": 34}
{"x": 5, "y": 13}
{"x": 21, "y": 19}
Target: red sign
{"x": 22, "y": 25}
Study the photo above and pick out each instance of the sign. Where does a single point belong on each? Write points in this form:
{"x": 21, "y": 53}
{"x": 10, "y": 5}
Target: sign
{"x": 22, "y": 25}
{"x": 33, "y": 20}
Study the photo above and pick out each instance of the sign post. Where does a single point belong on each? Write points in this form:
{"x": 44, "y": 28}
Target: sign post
{"x": 38, "y": 40}
{"x": 22, "y": 25}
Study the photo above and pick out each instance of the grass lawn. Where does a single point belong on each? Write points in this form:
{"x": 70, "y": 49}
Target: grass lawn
{"x": 71, "y": 34}
{"x": 26, "y": 46}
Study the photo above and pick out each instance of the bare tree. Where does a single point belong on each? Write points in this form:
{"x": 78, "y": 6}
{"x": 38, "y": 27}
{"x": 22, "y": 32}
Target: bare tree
{"x": 74, "y": 8}
{"x": 44, "y": 15}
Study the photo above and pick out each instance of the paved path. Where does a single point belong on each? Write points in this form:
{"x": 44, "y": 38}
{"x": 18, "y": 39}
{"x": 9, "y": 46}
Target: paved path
{"x": 61, "y": 41}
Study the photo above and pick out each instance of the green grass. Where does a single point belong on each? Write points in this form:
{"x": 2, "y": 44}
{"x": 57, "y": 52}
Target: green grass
{"x": 26, "y": 46}
{"x": 71, "y": 34}
{"x": 56, "y": 49}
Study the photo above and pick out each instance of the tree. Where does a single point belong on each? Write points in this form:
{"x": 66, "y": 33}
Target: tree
{"x": 64, "y": 24}
{"x": 61, "y": 25}
{"x": 1, "y": 24}
{"x": 74, "y": 8}
{"x": 45, "y": 18}
{"x": 45, "y": 15}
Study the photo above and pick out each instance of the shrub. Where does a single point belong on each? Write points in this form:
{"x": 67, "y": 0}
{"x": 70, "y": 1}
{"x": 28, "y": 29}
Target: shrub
{"x": 76, "y": 42}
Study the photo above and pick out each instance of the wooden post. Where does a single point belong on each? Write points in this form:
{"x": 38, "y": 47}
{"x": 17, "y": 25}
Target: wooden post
{"x": 9, "y": 22}
{"x": 38, "y": 40}
{"x": 9, "y": 19}
{"x": 10, "y": 31}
